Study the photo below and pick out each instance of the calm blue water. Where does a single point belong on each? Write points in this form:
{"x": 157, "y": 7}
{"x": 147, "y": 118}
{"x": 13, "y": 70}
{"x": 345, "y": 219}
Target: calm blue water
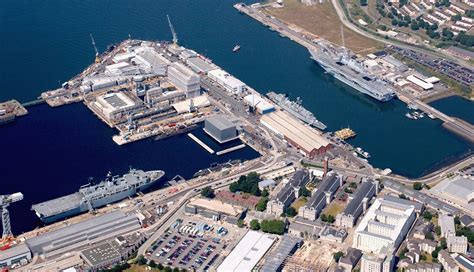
{"x": 51, "y": 151}
{"x": 457, "y": 107}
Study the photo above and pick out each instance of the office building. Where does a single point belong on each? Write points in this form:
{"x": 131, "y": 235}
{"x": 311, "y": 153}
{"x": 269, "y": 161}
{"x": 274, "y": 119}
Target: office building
{"x": 446, "y": 223}
{"x": 457, "y": 244}
{"x": 385, "y": 225}
{"x": 230, "y": 83}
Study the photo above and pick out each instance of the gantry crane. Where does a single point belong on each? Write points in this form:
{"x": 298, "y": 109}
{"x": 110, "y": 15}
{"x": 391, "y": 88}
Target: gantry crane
{"x": 5, "y": 201}
{"x": 175, "y": 36}
{"x": 97, "y": 58}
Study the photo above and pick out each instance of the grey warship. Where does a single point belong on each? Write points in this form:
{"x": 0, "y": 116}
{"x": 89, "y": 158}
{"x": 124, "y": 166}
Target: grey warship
{"x": 339, "y": 63}
{"x": 89, "y": 197}
{"x": 296, "y": 109}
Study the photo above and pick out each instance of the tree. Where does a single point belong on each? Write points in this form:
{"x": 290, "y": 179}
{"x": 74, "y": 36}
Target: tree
{"x": 330, "y": 218}
{"x": 208, "y": 192}
{"x": 414, "y": 26}
{"x": 337, "y": 255}
{"x": 429, "y": 236}
{"x": 273, "y": 226}
{"x": 290, "y": 212}
{"x": 324, "y": 218}
{"x": 394, "y": 21}
{"x": 160, "y": 267}
{"x": 417, "y": 186}
{"x": 247, "y": 184}
{"x": 403, "y": 252}
{"x": 438, "y": 230}
{"x": 167, "y": 269}
{"x": 443, "y": 244}
{"x": 254, "y": 224}
{"x": 240, "y": 223}
{"x": 175, "y": 269}
{"x": 262, "y": 204}
{"x": 152, "y": 264}
{"x": 427, "y": 215}
{"x": 304, "y": 192}
{"x": 353, "y": 185}
{"x": 141, "y": 260}
{"x": 234, "y": 187}
{"x": 265, "y": 193}
{"x": 402, "y": 196}
{"x": 434, "y": 254}
{"x": 457, "y": 221}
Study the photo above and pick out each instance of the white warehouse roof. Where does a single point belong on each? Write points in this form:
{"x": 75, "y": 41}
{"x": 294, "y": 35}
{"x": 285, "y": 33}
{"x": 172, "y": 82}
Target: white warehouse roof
{"x": 226, "y": 79}
{"x": 420, "y": 82}
{"x": 261, "y": 104}
{"x": 248, "y": 252}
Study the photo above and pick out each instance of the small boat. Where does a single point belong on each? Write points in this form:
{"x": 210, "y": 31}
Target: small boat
{"x": 409, "y": 116}
{"x": 431, "y": 116}
{"x": 236, "y": 48}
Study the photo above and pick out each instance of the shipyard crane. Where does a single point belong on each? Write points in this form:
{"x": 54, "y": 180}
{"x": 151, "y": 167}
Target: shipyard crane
{"x": 5, "y": 201}
{"x": 175, "y": 36}
{"x": 97, "y": 59}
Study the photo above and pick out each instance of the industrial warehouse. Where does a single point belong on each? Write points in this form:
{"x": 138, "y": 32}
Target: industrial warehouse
{"x": 308, "y": 140}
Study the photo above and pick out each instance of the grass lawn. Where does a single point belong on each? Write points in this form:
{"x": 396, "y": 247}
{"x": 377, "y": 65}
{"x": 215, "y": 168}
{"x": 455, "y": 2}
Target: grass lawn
{"x": 299, "y": 202}
{"x": 334, "y": 209}
{"x": 321, "y": 20}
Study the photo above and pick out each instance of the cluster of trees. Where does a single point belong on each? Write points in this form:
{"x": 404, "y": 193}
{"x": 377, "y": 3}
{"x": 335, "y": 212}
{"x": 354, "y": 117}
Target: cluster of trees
{"x": 427, "y": 215}
{"x": 465, "y": 231}
{"x": 304, "y": 192}
{"x": 290, "y": 212}
{"x": 247, "y": 184}
{"x": 208, "y": 192}
{"x": 465, "y": 39}
{"x": 327, "y": 218}
{"x": 254, "y": 224}
{"x": 117, "y": 268}
{"x": 262, "y": 203}
{"x": 337, "y": 255}
{"x": 417, "y": 186}
{"x": 273, "y": 226}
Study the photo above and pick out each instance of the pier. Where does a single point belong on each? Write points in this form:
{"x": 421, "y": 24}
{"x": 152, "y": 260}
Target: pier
{"x": 201, "y": 143}
{"x": 225, "y": 151}
{"x": 34, "y": 103}
{"x": 455, "y": 125}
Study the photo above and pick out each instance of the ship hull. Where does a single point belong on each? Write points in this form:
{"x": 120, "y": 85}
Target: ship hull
{"x": 350, "y": 82}
{"x": 79, "y": 207}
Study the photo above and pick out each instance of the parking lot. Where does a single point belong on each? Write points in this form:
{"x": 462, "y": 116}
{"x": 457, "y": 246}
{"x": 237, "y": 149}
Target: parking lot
{"x": 194, "y": 244}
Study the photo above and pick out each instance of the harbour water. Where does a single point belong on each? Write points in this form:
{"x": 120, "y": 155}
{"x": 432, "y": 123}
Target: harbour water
{"x": 456, "y": 107}
{"x": 51, "y": 152}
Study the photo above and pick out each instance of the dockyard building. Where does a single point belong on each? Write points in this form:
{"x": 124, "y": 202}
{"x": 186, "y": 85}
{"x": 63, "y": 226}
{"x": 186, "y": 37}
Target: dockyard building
{"x": 309, "y": 141}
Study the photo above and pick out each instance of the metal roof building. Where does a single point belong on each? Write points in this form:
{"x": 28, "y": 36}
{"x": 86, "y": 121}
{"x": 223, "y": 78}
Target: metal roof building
{"x": 274, "y": 260}
{"x": 14, "y": 255}
{"x": 248, "y": 252}
{"x": 308, "y": 140}
{"x": 85, "y": 233}
{"x": 220, "y": 128}
{"x": 357, "y": 205}
{"x": 198, "y": 65}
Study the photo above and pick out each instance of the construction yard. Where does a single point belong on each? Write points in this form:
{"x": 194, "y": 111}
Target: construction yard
{"x": 321, "y": 20}
{"x": 316, "y": 256}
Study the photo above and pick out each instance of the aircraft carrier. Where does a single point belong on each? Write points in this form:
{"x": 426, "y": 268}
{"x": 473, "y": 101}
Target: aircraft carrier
{"x": 351, "y": 72}
{"x": 296, "y": 109}
{"x": 89, "y": 197}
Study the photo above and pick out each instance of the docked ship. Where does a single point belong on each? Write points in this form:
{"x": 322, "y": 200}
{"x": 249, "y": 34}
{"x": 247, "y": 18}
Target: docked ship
{"x": 348, "y": 70}
{"x": 90, "y": 197}
{"x": 296, "y": 109}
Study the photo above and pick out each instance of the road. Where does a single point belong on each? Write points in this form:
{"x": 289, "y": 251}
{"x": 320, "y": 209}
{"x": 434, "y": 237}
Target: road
{"x": 348, "y": 24}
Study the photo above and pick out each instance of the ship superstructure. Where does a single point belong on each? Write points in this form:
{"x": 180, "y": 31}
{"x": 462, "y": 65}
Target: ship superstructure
{"x": 89, "y": 197}
{"x": 338, "y": 63}
{"x": 296, "y": 109}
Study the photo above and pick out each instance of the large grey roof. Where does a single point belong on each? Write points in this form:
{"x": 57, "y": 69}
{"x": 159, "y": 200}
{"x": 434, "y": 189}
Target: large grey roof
{"x": 220, "y": 122}
{"x": 352, "y": 256}
{"x": 13, "y": 252}
{"x": 356, "y": 202}
{"x": 329, "y": 184}
{"x": 275, "y": 259}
